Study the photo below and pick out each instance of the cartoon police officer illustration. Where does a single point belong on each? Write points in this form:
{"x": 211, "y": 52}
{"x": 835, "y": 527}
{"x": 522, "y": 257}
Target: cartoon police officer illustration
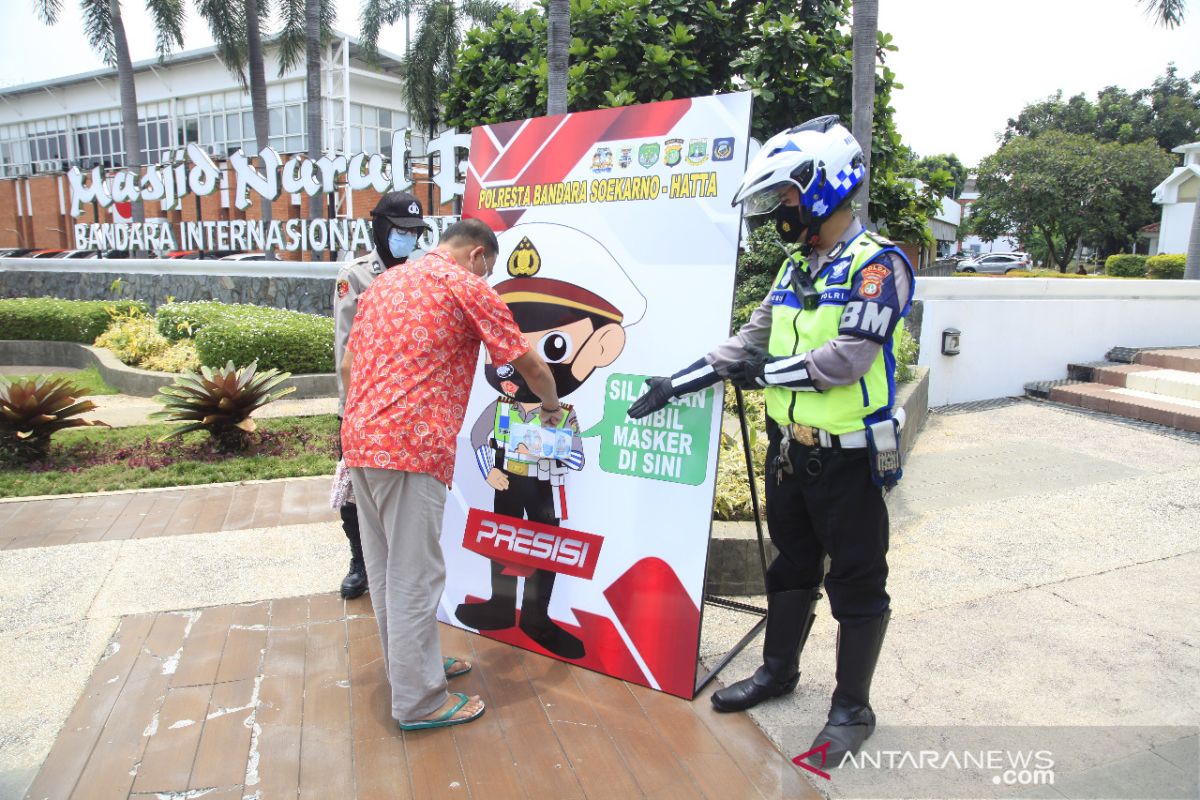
{"x": 570, "y": 323}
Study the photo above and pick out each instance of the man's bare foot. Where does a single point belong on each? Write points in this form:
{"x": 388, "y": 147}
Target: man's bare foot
{"x": 470, "y": 709}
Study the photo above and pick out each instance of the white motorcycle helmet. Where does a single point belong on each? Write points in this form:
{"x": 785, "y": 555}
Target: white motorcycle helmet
{"x": 819, "y": 157}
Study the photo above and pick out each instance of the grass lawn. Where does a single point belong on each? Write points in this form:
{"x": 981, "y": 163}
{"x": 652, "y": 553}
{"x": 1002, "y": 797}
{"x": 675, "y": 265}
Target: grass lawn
{"x": 106, "y": 459}
{"x": 85, "y": 379}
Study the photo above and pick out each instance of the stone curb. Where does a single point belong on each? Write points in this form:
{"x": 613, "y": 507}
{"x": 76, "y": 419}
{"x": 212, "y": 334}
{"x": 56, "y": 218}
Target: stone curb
{"x": 159, "y": 489}
{"x": 734, "y": 564}
{"x": 130, "y": 380}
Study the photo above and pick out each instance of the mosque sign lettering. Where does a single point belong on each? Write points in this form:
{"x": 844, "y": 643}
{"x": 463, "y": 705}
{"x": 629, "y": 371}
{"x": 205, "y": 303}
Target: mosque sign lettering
{"x": 191, "y": 171}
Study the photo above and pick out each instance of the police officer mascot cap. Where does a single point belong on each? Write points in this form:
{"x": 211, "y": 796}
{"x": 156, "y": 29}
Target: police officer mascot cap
{"x": 821, "y": 159}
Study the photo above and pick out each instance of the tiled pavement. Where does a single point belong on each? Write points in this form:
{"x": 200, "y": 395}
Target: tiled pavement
{"x": 288, "y": 698}
{"x": 167, "y": 512}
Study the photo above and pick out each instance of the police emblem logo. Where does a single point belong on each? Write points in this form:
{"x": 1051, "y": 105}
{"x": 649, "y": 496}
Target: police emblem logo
{"x": 648, "y": 154}
{"x": 524, "y": 261}
{"x": 722, "y": 149}
{"x": 697, "y": 151}
{"x": 626, "y": 157}
{"x": 602, "y": 159}
{"x": 414, "y": 209}
{"x": 673, "y": 152}
{"x": 873, "y": 276}
{"x": 343, "y": 286}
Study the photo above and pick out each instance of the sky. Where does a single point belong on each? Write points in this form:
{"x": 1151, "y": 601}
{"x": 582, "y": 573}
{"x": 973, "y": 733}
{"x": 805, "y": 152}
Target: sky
{"x": 967, "y": 66}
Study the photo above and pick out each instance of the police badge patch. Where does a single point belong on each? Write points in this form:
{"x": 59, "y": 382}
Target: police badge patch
{"x": 343, "y": 286}
{"x": 673, "y": 152}
{"x": 722, "y": 149}
{"x": 873, "y": 276}
{"x": 648, "y": 154}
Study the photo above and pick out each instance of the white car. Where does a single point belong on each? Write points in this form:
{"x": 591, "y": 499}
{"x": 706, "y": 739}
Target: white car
{"x": 245, "y": 257}
{"x": 997, "y": 263}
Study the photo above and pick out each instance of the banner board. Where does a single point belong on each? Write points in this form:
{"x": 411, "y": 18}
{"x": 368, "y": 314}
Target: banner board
{"x": 618, "y": 245}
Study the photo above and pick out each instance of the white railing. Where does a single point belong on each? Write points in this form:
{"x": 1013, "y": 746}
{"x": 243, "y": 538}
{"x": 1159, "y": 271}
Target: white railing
{"x": 176, "y": 266}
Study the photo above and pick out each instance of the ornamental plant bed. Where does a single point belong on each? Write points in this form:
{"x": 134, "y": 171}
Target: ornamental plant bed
{"x": 97, "y": 460}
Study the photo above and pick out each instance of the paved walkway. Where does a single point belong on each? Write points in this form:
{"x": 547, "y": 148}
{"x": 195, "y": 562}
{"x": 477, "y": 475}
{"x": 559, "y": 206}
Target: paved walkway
{"x": 1045, "y": 570}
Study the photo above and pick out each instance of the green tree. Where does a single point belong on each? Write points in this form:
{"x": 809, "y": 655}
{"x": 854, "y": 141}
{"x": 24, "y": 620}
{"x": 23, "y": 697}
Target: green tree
{"x": 1168, "y": 111}
{"x": 935, "y": 169}
{"x": 429, "y": 63}
{"x": 1065, "y": 187}
{"x": 104, "y": 28}
{"x": 236, "y": 27}
{"x": 1168, "y": 13}
{"x": 307, "y": 25}
{"x": 864, "y": 35}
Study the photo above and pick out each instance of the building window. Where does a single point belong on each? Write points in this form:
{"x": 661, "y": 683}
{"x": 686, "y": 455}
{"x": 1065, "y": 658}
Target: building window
{"x": 370, "y": 129}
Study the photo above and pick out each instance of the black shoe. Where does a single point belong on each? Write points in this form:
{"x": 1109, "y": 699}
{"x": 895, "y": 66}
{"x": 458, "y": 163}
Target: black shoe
{"x": 355, "y": 583}
{"x": 790, "y": 617}
{"x": 536, "y": 622}
{"x": 851, "y": 719}
{"x": 496, "y": 613}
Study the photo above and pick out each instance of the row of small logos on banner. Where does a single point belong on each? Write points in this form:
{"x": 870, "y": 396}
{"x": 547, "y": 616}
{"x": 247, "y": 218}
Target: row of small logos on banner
{"x": 670, "y": 151}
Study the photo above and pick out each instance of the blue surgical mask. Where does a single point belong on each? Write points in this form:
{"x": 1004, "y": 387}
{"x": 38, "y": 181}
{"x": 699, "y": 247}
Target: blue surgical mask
{"x": 401, "y": 243}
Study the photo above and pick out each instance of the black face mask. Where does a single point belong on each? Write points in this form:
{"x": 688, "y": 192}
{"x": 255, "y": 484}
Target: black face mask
{"x": 789, "y": 223}
{"x": 564, "y": 381}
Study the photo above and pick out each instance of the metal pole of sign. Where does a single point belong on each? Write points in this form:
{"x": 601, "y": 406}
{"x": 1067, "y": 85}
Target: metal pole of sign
{"x": 199, "y": 217}
{"x": 724, "y": 602}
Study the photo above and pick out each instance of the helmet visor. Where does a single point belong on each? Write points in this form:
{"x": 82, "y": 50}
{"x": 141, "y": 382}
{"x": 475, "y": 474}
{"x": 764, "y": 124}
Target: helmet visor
{"x": 771, "y": 197}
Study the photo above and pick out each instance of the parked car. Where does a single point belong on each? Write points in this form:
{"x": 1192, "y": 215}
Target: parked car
{"x": 245, "y": 257}
{"x": 16, "y": 252}
{"x": 49, "y": 253}
{"x": 81, "y": 254}
{"x": 996, "y": 263}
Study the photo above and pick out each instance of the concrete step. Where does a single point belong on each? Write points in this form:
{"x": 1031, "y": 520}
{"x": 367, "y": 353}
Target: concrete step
{"x": 1041, "y": 389}
{"x": 1182, "y": 359}
{"x": 1174, "y": 412}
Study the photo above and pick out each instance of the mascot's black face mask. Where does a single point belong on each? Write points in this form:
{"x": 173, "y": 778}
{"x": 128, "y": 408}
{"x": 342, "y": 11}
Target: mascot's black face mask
{"x": 789, "y": 223}
{"x": 564, "y": 381}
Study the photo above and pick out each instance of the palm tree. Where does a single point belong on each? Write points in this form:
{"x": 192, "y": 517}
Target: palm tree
{"x": 105, "y": 31}
{"x": 307, "y": 26}
{"x": 864, "y": 31}
{"x": 1169, "y": 14}
{"x": 429, "y": 61}
{"x": 559, "y": 43}
{"x": 236, "y": 27}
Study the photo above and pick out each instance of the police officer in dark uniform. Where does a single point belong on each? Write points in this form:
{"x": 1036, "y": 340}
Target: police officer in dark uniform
{"x": 397, "y": 222}
{"x": 821, "y": 348}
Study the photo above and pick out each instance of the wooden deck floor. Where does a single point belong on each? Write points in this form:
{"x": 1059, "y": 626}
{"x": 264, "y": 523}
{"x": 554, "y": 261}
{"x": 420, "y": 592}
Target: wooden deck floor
{"x": 174, "y": 512}
{"x": 287, "y": 699}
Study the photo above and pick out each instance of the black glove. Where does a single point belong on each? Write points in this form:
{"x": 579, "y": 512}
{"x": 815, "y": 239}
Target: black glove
{"x": 748, "y": 374}
{"x": 659, "y": 395}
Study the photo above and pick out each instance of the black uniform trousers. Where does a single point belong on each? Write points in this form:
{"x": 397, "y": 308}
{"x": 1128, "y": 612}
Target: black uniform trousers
{"x": 839, "y": 512}
{"x": 527, "y": 498}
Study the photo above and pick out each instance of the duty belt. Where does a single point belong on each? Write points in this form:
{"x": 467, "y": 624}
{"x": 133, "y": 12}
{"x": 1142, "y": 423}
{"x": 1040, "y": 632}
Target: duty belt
{"x": 815, "y": 437}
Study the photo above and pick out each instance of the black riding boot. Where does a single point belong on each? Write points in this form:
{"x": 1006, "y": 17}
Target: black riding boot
{"x": 355, "y": 582}
{"x": 851, "y": 720}
{"x": 497, "y": 612}
{"x": 535, "y": 618}
{"x": 790, "y": 617}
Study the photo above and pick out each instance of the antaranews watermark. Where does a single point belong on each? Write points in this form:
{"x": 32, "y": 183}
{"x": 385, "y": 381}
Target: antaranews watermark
{"x": 1007, "y": 762}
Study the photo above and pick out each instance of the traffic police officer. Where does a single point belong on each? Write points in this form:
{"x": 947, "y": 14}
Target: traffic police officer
{"x": 820, "y": 346}
{"x": 397, "y": 221}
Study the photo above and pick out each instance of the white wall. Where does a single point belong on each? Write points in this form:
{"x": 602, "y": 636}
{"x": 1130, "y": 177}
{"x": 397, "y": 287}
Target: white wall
{"x": 1176, "y": 227}
{"x": 1019, "y": 330}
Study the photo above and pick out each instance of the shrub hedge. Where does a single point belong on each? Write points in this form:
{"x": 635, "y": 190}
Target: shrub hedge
{"x": 279, "y": 339}
{"x": 1169, "y": 266}
{"x": 1124, "y": 265}
{"x": 55, "y": 320}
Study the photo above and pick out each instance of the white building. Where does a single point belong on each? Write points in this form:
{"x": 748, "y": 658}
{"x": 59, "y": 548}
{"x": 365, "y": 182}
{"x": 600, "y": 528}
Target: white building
{"x": 1177, "y": 195}
{"x": 191, "y": 97}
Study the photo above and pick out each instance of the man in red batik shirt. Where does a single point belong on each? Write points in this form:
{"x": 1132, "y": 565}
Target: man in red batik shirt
{"x": 409, "y": 364}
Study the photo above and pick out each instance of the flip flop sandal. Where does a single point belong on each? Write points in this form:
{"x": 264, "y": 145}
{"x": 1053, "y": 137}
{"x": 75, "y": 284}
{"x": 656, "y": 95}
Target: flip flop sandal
{"x": 446, "y": 719}
{"x": 449, "y": 663}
